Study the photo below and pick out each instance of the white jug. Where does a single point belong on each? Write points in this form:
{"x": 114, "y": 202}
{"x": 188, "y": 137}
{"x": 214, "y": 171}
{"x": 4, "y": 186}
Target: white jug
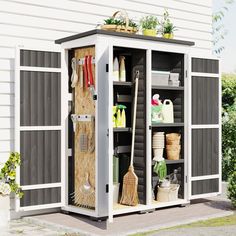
{"x": 168, "y": 111}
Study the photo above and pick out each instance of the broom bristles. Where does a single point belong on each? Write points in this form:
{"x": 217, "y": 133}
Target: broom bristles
{"x": 130, "y": 188}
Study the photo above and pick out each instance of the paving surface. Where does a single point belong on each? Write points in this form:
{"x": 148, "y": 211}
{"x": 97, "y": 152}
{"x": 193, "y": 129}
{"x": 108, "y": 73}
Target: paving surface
{"x": 200, "y": 231}
{"x": 61, "y": 224}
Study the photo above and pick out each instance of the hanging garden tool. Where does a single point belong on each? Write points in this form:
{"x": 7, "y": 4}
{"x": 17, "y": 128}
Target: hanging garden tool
{"x": 130, "y": 181}
{"x": 74, "y": 76}
{"x": 88, "y": 72}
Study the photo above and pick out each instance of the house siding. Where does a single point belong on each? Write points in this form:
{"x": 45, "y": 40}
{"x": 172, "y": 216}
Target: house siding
{"x": 39, "y": 23}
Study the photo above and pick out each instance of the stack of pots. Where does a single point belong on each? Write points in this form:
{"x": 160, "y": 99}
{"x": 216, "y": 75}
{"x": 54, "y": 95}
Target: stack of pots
{"x": 158, "y": 144}
{"x": 173, "y": 146}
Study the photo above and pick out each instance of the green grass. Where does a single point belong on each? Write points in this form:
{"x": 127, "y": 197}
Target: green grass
{"x": 217, "y": 222}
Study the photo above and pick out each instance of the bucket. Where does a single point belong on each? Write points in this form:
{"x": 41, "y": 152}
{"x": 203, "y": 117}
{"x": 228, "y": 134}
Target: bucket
{"x": 168, "y": 194}
{"x": 116, "y": 188}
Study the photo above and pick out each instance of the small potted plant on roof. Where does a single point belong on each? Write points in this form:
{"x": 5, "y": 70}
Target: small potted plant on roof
{"x": 168, "y": 27}
{"x": 8, "y": 185}
{"x": 149, "y": 25}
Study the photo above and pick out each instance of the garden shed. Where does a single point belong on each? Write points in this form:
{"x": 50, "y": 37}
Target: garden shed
{"x": 37, "y": 102}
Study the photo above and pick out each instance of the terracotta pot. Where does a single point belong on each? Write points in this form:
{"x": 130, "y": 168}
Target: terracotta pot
{"x": 168, "y": 36}
{"x": 150, "y": 32}
{"x": 4, "y": 210}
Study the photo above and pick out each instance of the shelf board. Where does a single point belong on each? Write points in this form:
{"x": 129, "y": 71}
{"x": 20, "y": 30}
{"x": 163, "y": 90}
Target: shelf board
{"x": 124, "y": 84}
{"x": 181, "y": 88}
{"x": 170, "y": 162}
{"x": 128, "y": 129}
{"x": 181, "y": 124}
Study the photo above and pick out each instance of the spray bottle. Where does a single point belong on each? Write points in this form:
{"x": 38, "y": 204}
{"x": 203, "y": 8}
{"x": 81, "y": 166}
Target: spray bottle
{"x": 121, "y": 117}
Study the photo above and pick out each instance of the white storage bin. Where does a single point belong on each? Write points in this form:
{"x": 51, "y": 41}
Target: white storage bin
{"x": 160, "y": 78}
{"x": 174, "y": 76}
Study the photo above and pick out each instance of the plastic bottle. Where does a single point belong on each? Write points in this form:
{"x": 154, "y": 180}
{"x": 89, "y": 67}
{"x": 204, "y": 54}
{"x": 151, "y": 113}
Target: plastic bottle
{"x": 121, "y": 116}
{"x": 115, "y": 69}
{"x": 122, "y": 69}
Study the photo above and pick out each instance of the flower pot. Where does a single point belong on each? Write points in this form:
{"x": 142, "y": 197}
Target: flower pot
{"x": 168, "y": 36}
{"x": 4, "y": 210}
{"x": 158, "y": 152}
{"x": 150, "y": 32}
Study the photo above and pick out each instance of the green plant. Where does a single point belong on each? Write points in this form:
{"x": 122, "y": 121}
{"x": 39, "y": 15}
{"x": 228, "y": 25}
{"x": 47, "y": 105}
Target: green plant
{"x": 219, "y": 30}
{"x": 167, "y": 27}
{"x": 8, "y": 173}
{"x": 149, "y": 22}
{"x": 228, "y": 125}
{"x": 232, "y": 187}
{"x": 132, "y": 24}
{"x": 113, "y": 21}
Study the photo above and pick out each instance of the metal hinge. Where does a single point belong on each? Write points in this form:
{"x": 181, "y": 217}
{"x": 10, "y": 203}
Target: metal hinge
{"x": 186, "y": 73}
{"x": 107, "y": 132}
{"x": 107, "y": 188}
{"x": 107, "y": 67}
{"x": 186, "y": 179}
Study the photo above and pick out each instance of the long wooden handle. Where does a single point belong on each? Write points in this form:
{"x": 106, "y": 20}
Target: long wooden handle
{"x": 134, "y": 118}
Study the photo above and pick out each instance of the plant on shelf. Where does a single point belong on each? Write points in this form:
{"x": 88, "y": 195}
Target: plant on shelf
{"x": 8, "y": 176}
{"x": 149, "y": 25}
{"x": 120, "y": 22}
{"x": 167, "y": 27}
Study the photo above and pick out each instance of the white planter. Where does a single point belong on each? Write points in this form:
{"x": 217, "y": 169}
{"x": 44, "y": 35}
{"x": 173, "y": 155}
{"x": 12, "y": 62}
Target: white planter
{"x": 4, "y": 210}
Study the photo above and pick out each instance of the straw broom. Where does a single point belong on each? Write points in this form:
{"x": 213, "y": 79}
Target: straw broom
{"x": 130, "y": 181}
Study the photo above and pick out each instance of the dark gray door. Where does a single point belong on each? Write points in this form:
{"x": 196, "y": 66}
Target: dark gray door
{"x": 205, "y": 160}
{"x": 38, "y": 123}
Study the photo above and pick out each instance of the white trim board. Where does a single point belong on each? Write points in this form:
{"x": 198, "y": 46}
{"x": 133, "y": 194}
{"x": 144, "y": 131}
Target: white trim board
{"x": 41, "y": 186}
{"x": 40, "y": 69}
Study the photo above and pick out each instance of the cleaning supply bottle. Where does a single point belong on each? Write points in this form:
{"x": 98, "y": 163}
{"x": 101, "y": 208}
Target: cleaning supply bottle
{"x": 122, "y": 69}
{"x": 115, "y": 69}
{"x": 121, "y": 116}
{"x": 118, "y": 117}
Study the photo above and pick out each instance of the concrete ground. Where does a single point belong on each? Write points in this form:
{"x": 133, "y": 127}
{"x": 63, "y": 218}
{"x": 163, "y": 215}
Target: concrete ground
{"x": 69, "y": 225}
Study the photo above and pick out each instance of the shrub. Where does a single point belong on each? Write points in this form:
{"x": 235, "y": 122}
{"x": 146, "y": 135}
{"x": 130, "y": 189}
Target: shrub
{"x": 232, "y": 188}
{"x": 228, "y": 125}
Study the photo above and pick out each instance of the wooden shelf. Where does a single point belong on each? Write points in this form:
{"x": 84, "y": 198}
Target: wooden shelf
{"x": 180, "y": 88}
{"x": 170, "y": 162}
{"x": 124, "y": 84}
{"x": 122, "y": 129}
{"x": 181, "y": 124}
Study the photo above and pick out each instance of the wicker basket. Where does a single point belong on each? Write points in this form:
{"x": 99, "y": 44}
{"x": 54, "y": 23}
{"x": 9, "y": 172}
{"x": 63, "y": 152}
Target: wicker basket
{"x": 121, "y": 28}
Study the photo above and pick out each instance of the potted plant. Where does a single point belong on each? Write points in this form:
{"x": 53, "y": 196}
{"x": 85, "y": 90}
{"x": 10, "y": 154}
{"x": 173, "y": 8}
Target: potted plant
{"x": 149, "y": 25}
{"x": 168, "y": 27}
{"x": 8, "y": 185}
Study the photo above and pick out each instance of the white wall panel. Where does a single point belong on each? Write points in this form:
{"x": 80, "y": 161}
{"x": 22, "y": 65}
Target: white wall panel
{"x": 6, "y": 111}
{"x": 6, "y": 88}
{"x": 6, "y": 123}
{"x": 6, "y": 146}
{"x": 6, "y": 134}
